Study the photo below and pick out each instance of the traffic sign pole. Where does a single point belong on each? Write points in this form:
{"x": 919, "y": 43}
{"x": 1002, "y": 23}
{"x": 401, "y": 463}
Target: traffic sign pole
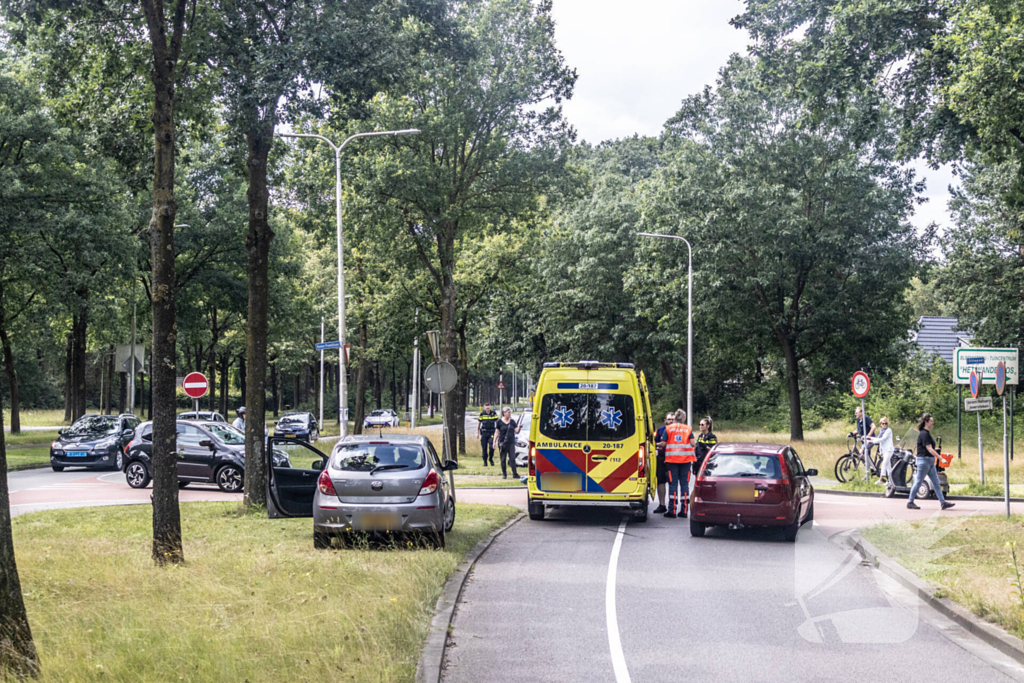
{"x": 860, "y": 385}
{"x": 975, "y": 384}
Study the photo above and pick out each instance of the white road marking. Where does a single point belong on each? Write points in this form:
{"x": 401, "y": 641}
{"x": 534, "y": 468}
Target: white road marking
{"x": 614, "y": 642}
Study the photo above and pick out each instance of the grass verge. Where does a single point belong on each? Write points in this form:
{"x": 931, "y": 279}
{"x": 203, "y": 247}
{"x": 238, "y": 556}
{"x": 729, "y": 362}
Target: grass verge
{"x": 967, "y": 557}
{"x": 28, "y": 458}
{"x": 478, "y": 480}
{"x": 255, "y": 602}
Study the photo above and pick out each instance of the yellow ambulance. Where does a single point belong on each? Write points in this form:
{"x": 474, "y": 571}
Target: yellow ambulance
{"x": 591, "y": 438}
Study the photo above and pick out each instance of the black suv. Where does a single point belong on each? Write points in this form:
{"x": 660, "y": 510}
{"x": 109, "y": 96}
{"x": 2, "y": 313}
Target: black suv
{"x": 298, "y": 426}
{"x": 93, "y": 441}
{"x": 208, "y": 452}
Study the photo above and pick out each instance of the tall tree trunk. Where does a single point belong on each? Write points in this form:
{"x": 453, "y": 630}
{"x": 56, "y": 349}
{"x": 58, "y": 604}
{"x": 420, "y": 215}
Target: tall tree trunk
{"x": 460, "y": 412}
{"x": 361, "y": 376}
{"x": 450, "y": 341}
{"x": 273, "y": 388}
{"x": 68, "y": 379}
{"x": 241, "y": 377}
{"x": 296, "y": 390}
{"x": 17, "y": 649}
{"x": 79, "y": 329}
{"x": 109, "y": 398}
{"x": 377, "y": 389}
{"x": 796, "y": 420}
{"x": 259, "y": 138}
{"x": 9, "y": 369}
{"x": 225, "y": 367}
{"x": 167, "y": 545}
{"x": 122, "y": 391}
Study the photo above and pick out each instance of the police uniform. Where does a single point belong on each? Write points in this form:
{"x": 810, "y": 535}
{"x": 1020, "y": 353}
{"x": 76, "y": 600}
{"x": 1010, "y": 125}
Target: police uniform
{"x": 679, "y": 458}
{"x": 488, "y": 420}
{"x": 705, "y": 442}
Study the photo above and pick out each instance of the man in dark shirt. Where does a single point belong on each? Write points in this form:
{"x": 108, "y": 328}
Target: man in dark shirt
{"x": 865, "y": 427}
{"x": 661, "y": 472}
{"x": 485, "y": 425}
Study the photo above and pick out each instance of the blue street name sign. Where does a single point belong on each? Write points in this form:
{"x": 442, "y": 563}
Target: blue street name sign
{"x": 328, "y": 345}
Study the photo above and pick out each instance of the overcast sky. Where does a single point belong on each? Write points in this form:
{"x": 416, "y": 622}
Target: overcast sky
{"x": 637, "y": 60}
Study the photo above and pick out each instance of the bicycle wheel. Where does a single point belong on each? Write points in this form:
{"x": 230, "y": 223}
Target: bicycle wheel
{"x": 846, "y": 468}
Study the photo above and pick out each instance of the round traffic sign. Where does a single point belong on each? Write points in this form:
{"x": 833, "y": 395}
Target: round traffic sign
{"x": 861, "y": 384}
{"x": 1000, "y": 377}
{"x": 195, "y": 384}
{"x": 440, "y": 377}
{"x": 975, "y": 384}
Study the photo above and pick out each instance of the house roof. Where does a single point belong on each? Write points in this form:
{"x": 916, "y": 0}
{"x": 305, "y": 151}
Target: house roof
{"x": 939, "y": 335}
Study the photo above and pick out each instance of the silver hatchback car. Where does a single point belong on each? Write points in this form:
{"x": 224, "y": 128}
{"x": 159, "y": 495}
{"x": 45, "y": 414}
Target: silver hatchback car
{"x": 391, "y": 483}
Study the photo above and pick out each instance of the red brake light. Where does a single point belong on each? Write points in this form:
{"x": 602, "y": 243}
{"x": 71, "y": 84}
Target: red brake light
{"x": 533, "y": 463}
{"x": 430, "y": 484}
{"x": 785, "y": 472}
{"x": 326, "y": 485}
{"x": 642, "y": 469}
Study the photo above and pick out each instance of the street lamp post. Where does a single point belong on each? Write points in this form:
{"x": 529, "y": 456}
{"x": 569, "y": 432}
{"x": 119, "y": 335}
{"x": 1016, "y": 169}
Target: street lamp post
{"x": 322, "y": 319}
{"x": 689, "y": 321}
{"x": 342, "y": 383}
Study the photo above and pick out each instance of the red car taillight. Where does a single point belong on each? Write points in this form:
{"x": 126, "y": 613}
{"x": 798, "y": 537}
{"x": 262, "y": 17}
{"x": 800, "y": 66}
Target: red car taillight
{"x": 642, "y": 469}
{"x": 533, "y": 462}
{"x": 785, "y": 472}
{"x": 326, "y": 485}
{"x": 430, "y": 484}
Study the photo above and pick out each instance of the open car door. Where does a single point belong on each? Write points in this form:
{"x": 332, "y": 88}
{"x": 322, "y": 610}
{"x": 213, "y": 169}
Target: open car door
{"x": 290, "y": 490}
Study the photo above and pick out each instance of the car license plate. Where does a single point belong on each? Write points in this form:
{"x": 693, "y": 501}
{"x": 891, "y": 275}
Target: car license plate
{"x": 380, "y": 520}
{"x": 741, "y": 494}
{"x": 561, "y": 481}
{"x": 76, "y": 454}
{"x": 290, "y": 436}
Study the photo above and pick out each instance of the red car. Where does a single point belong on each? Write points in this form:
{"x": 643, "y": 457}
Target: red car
{"x": 752, "y": 484}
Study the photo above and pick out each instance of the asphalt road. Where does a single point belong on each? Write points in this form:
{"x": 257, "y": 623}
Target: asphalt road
{"x": 733, "y": 606}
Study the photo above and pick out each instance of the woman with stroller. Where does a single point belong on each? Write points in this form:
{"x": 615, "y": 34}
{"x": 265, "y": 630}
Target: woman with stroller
{"x": 885, "y": 449}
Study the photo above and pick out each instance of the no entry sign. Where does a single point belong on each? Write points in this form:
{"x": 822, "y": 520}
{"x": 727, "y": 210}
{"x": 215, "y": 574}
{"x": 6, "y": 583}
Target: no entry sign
{"x": 860, "y": 384}
{"x": 195, "y": 384}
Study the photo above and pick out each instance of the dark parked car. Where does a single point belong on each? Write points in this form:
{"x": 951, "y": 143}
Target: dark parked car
{"x": 752, "y": 484}
{"x": 208, "y": 453}
{"x": 298, "y": 426}
{"x": 93, "y": 441}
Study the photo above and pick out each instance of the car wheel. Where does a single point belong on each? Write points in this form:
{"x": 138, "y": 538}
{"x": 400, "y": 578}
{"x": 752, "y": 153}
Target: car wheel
{"x": 536, "y": 510}
{"x": 314, "y": 436}
{"x": 57, "y": 468}
{"x": 119, "y": 461}
{"x": 321, "y": 541}
{"x": 790, "y": 530}
{"x": 449, "y": 515}
{"x": 229, "y": 479}
{"x": 183, "y": 484}
{"x": 137, "y": 475}
{"x": 697, "y": 529}
{"x": 640, "y": 516}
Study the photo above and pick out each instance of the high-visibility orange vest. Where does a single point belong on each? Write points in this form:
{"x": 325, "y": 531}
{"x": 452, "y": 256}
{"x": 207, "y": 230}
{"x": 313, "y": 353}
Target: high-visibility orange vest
{"x": 679, "y": 448}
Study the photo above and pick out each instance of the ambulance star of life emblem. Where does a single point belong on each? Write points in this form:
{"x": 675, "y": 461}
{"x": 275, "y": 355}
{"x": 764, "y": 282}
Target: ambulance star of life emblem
{"x": 611, "y": 418}
{"x": 562, "y": 417}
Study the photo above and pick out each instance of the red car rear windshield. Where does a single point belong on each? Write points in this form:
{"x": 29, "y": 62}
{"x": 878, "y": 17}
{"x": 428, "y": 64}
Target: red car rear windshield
{"x": 743, "y": 465}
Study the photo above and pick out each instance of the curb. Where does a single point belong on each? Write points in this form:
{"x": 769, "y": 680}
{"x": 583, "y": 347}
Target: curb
{"x": 991, "y": 634}
{"x": 431, "y": 663}
{"x": 875, "y": 494}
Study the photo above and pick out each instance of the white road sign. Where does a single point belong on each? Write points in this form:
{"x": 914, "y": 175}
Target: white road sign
{"x": 973, "y": 404}
{"x": 984, "y": 362}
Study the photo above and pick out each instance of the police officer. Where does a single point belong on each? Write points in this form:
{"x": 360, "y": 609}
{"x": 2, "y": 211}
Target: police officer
{"x": 661, "y": 471}
{"x": 679, "y": 458}
{"x": 239, "y": 422}
{"x": 486, "y": 423}
{"x": 706, "y": 440}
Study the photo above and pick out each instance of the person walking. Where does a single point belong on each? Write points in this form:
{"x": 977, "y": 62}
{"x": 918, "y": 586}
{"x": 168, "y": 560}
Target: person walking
{"x": 660, "y": 471}
{"x": 679, "y": 458}
{"x": 485, "y": 424}
{"x": 706, "y": 440}
{"x": 885, "y": 448}
{"x": 239, "y": 422}
{"x": 505, "y": 436}
{"x": 926, "y": 457}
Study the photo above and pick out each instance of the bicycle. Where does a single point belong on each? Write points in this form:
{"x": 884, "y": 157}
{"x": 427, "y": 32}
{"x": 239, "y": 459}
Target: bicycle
{"x": 848, "y": 465}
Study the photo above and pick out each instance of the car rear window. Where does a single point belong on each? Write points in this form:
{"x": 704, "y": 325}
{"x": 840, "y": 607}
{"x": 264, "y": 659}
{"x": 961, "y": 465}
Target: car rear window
{"x": 362, "y": 457}
{"x": 743, "y": 465}
{"x": 587, "y": 417}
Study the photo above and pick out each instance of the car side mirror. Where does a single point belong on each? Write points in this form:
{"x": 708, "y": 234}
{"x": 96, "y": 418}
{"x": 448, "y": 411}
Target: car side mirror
{"x": 128, "y": 433}
{"x": 450, "y": 465}
{"x": 206, "y": 443}
{"x": 811, "y": 473}
{"x": 318, "y": 466}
